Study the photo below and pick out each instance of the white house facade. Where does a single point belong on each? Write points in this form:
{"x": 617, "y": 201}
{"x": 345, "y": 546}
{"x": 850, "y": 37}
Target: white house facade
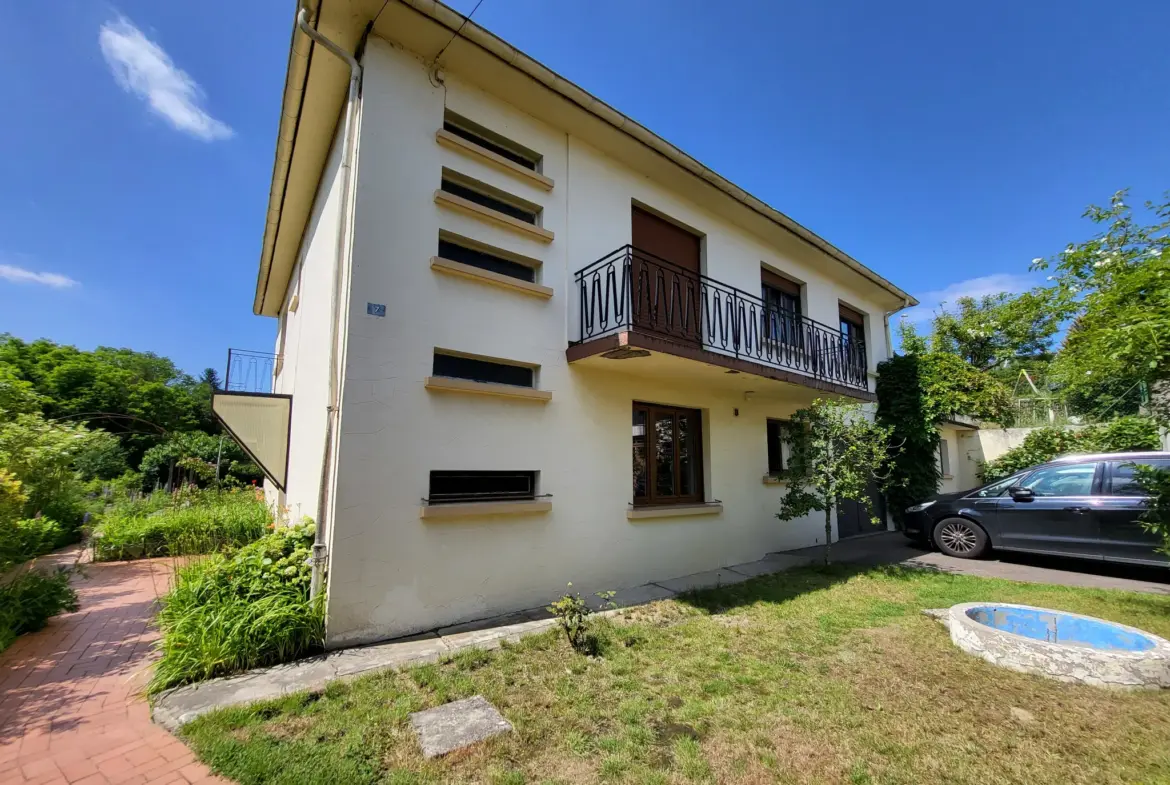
{"x": 526, "y": 341}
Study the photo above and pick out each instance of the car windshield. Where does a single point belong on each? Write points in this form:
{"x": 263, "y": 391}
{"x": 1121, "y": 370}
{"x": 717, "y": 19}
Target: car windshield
{"x": 998, "y": 488}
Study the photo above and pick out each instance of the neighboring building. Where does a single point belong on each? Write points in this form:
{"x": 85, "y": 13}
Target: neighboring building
{"x": 959, "y": 455}
{"x": 564, "y": 349}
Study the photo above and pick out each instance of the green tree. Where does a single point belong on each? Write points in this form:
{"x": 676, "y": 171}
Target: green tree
{"x": 837, "y": 453}
{"x": 102, "y": 459}
{"x": 997, "y": 331}
{"x": 1115, "y": 290}
{"x": 138, "y": 396}
{"x": 16, "y": 395}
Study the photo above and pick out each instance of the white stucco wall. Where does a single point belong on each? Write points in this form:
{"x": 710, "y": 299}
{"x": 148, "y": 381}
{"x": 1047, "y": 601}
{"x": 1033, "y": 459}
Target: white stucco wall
{"x": 303, "y": 345}
{"x": 393, "y": 573}
{"x": 952, "y": 440}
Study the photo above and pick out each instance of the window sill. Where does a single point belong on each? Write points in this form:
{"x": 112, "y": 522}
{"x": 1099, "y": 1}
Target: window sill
{"x": 460, "y": 270}
{"x": 672, "y": 510}
{"x": 444, "y": 199}
{"x": 460, "y": 145}
{"x": 451, "y": 384}
{"x": 480, "y": 509}
{"x": 772, "y": 479}
{"x": 947, "y": 476}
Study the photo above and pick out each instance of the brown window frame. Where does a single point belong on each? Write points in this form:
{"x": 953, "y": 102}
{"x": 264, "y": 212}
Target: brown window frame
{"x": 854, "y": 319}
{"x": 652, "y": 498}
{"x": 781, "y": 325}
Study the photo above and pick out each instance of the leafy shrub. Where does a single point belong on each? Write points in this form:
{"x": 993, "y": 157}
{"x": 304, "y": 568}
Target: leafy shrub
{"x": 21, "y": 540}
{"x": 12, "y": 497}
{"x": 573, "y": 614}
{"x": 191, "y": 456}
{"x": 164, "y": 524}
{"x": 1156, "y": 519}
{"x": 30, "y": 599}
{"x": 41, "y": 454}
{"x": 1124, "y": 434}
{"x": 245, "y": 609}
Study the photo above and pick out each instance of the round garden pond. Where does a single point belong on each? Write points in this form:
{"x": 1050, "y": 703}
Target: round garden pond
{"x": 1065, "y": 646}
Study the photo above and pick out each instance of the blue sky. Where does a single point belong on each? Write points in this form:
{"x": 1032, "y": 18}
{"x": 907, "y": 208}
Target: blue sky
{"x": 943, "y": 145}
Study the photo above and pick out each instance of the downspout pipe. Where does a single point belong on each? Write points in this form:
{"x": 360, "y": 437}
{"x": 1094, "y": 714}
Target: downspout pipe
{"x": 336, "y": 301}
{"x": 886, "y": 321}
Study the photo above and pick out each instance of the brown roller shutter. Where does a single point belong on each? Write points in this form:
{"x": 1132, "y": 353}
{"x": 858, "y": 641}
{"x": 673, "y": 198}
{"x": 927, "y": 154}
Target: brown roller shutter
{"x": 667, "y": 297}
{"x": 769, "y": 278}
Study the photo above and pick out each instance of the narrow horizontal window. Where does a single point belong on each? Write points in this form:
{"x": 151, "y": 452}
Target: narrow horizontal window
{"x": 483, "y": 370}
{"x": 485, "y": 261}
{"x": 481, "y": 197}
{"x": 490, "y": 140}
{"x": 455, "y": 487}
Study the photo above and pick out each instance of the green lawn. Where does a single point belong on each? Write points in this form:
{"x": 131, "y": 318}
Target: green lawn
{"x": 807, "y": 676}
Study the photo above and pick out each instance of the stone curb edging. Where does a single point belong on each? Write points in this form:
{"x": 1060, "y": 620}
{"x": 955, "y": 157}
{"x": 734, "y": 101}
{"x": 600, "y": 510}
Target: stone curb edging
{"x": 176, "y": 707}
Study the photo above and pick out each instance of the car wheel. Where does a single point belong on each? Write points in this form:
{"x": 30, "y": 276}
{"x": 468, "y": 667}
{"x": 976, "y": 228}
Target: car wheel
{"x": 961, "y": 538}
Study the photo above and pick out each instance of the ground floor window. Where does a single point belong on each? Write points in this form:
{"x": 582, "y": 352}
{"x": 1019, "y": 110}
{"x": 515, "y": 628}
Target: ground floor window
{"x": 455, "y": 487}
{"x": 779, "y": 447}
{"x": 668, "y": 455}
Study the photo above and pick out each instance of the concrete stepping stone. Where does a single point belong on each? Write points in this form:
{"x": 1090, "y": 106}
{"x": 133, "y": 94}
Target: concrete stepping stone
{"x": 456, "y": 725}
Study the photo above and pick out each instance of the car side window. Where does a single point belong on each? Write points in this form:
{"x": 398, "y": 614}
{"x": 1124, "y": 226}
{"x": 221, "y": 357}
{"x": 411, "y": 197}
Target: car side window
{"x": 1072, "y": 480}
{"x": 1123, "y": 481}
{"x": 998, "y": 488}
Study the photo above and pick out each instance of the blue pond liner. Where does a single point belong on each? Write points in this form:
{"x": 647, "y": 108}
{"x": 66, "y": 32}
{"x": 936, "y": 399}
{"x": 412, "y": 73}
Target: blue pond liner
{"x": 1060, "y": 628}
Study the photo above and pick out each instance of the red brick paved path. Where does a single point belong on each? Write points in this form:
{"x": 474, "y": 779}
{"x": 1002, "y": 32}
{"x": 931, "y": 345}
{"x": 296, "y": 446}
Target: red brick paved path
{"x": 71, "y": 705}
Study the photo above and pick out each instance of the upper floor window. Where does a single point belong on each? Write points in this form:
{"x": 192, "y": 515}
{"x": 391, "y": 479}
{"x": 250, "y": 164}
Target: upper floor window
{"x": 489, "y": 197}
{"x": 490, "y": 140}
{"x": 781, "y": 307}
{"x": 852, "y": 326}
{"x": 468, "y": 252}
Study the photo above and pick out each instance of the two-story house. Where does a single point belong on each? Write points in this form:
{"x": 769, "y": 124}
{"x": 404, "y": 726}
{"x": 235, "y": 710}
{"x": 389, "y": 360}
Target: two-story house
{"x": 527, "y": 341}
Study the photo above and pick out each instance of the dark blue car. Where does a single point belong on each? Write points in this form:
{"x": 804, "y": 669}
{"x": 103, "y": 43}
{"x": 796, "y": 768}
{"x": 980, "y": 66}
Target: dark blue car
{"x": 1081, "y": 505}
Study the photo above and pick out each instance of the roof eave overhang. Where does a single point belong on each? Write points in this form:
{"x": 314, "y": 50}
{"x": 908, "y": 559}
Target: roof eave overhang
{"x": 314, "y": 92}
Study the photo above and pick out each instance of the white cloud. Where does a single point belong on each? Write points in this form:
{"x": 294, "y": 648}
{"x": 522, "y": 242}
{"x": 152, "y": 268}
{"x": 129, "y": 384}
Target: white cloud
{"x": 932, "y": 302}
{"x": 143, "y": 68}
{"x": 15, "y": 274}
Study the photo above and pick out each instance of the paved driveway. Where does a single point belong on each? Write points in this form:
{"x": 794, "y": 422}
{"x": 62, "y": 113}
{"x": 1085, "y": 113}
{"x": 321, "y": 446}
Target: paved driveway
{"x": 71, "y": 709}
{"x": 894, "y": 548}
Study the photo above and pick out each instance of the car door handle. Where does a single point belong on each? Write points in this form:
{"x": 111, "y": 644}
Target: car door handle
{"x": 1077, "y": 510}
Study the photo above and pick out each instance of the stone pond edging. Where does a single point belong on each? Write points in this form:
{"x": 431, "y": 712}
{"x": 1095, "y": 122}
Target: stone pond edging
{"x": 1078, "y": 664}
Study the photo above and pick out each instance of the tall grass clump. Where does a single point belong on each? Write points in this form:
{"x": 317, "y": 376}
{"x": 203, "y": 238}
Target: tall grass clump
{"x": 239, "y": 610}
{"x": 185, "y": 523}
{"x": 28, "y": 599}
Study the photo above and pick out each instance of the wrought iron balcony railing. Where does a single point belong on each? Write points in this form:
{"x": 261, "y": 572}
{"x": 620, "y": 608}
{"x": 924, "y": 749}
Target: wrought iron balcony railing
{"x": 248, "y": 371}
{"x": 631, "y": 290}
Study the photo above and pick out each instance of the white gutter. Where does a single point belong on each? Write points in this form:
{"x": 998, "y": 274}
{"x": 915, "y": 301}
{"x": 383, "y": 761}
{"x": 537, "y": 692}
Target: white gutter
{"x": 340, "y": 280}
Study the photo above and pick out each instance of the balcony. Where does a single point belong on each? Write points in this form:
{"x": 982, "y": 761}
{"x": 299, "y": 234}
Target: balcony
{"x": 631, "y": 303}
{"x": 250, "y": 372}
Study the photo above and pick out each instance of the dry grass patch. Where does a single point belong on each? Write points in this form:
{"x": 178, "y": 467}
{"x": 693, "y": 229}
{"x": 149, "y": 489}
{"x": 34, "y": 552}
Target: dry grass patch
{"x": 823, "y": 676}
